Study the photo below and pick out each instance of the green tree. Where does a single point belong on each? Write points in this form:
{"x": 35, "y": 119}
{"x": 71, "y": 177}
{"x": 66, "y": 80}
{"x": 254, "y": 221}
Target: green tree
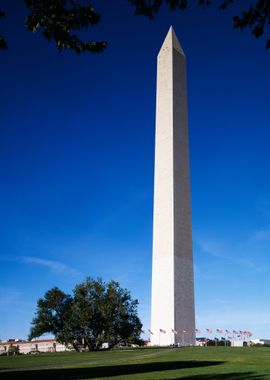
{"x": 53, "y": 314}
{"x": 98, "y": 312}
{"x": 256, "y": 16}
{"x": 3, "y": 44}
{"x": 58, "y": 21}
{"x": 61, "y": 20}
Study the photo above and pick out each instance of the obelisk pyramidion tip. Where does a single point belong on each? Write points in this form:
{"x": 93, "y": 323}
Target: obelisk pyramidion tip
{"x": 171, "y": 41}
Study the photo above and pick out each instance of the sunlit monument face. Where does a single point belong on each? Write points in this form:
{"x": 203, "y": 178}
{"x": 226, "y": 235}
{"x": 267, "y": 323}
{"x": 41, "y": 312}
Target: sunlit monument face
{"x": 172, "y": 313}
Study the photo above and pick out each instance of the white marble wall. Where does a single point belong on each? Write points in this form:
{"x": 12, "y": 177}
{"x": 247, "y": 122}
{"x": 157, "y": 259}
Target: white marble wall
{"x": 172, "y": 273}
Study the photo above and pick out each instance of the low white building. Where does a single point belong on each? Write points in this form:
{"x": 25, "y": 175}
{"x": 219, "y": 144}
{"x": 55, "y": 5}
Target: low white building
{"x": 265, "y": 341}
{"x": 260, "y": 341}
{"x": 25, "y": 347}
{"x": 237, "y": 343}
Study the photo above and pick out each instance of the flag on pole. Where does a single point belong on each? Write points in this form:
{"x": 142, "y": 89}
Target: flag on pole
{"x": 150, "y": 332}
{"x": 209, "y": 331}
{"x": 174, "y": 332}
{"x": 162, "y": 331}
{"x": 219, "y": 331}
{"x": 197, "y": 331}
{"x": 227, "y": 332}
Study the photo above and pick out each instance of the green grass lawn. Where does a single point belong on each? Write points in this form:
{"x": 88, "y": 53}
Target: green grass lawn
{"x": 185, "y": 363}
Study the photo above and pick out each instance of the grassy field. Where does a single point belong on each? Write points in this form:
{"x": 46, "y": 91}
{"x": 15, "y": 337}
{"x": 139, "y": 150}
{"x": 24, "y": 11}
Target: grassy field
{"x": 185, "y": 363}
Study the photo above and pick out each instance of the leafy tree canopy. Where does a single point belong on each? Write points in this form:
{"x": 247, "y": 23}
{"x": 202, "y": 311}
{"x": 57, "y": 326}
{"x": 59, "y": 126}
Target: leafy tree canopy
{"x": 256, "y": 16}
{"x": 98, "y": 312}
{"x": 60, "y": 20}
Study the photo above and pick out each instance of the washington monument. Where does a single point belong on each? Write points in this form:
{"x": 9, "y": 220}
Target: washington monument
{"x": 172, "y": 311}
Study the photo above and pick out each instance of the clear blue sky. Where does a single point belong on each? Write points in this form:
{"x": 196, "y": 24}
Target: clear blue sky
{"x": 77, "y": 164}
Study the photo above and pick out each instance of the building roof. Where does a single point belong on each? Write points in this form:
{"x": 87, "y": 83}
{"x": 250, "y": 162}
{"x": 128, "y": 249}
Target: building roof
{"x": 28, "y": 341}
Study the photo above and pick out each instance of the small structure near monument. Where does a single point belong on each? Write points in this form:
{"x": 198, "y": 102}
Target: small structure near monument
{"x": 13, "y": 346}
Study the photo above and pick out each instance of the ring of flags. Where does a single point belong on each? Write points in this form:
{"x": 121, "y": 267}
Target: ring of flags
{"x": 242, "y": 334}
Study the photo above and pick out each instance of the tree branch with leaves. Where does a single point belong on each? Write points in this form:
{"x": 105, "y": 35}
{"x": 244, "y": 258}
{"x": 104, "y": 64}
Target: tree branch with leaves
{"x": 256, "y": 16}
{"x": 96, "y": 313}
{"x": 61, "y": 21}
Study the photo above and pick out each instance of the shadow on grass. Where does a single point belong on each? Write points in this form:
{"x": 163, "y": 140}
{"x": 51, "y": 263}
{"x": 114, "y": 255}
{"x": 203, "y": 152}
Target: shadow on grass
{"x": 98, "y": 372}
{"x": 222, "y": 376}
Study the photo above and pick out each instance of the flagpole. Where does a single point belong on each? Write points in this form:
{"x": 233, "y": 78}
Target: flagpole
{"x": 183, "y": 338}
{"x": 159, "y": 338}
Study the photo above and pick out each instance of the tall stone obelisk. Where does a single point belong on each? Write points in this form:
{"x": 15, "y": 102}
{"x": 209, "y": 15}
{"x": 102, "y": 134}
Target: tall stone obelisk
{"x": 172, "y": 312}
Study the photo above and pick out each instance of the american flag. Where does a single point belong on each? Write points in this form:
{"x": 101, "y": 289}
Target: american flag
{"x": 219, "y": 331}
{"x": 150, "y": 332}
{"x": 174, "y": 332}
{"x": 209, "y": 331}
{"x": 162, "y": 331}
{"x": 235, "y": 332}
{"x": 227, "y": 332}
{"x": 197, "y": 331}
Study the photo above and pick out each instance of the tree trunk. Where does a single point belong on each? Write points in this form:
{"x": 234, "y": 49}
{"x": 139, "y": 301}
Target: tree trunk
{"x": 75, "y": 346}
{"x": 88, "y": 343}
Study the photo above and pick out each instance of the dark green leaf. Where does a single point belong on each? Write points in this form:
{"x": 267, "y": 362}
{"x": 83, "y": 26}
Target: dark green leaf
{"x": 3, "y": 44}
